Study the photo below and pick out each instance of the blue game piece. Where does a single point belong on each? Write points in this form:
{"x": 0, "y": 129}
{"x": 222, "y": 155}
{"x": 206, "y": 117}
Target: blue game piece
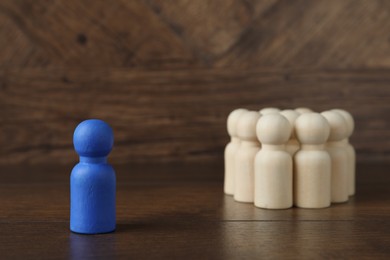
{"x": 92, "y": 181}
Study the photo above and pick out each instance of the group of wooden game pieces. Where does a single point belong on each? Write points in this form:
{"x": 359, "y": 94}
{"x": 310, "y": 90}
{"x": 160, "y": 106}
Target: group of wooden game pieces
{"x": 277, "y": 159}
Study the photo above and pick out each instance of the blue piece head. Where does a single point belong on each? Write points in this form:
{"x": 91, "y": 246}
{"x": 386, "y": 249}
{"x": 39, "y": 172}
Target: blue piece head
{"x": 93, "y": 138}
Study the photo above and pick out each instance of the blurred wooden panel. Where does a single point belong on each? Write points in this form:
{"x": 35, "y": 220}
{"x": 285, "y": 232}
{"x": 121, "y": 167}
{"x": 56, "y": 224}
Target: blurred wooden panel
{"x": 86, "y": 34}
{"x": 222, "y": 33}
{"x": 165, "y": 74}
{"x": 175, "y": 115}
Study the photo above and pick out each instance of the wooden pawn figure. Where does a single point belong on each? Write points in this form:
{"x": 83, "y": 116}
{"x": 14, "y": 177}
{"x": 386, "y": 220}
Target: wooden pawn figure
{"x": 292, "y": 145}
{"x": 338, "y": 155}
{"x": 245, "y": 155}
{"x": 303, "y": 110}
{"x": 350, "y": 150}
{"x": 312, "y": 163}
{"x": 231, "y": 149}
{"x": 269, "y": 110}
{"x": 273, "y": 164}
{"x": 93, "y": 181}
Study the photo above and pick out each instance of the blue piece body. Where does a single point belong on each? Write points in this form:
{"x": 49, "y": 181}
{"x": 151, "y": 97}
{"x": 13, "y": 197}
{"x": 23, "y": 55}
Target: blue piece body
{"x": 92, "y": 181}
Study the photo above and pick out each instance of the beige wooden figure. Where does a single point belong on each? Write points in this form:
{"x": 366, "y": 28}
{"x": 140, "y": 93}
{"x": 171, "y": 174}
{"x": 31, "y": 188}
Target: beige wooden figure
{"x": 312, "y": 163}
{"x": 269, "y": 110}
{"x": 338, "y": 155}
{"x": 273, "y": 164}
{"x": 292, "y": 145}
{"x": 231, "y": 149}
{"x": 350, "y": 151}
{"x": 245, "y": 155}
{"x": 303, "y": 110}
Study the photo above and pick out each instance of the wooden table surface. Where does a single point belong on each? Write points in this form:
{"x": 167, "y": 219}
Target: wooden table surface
{"x": 180, "y": 211}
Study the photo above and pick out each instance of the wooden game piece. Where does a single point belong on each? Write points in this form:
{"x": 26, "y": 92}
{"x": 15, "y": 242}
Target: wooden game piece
{"x": 231, "y": 149}
{"x": 350, "y": 150}
{"x": 292, "y": 145}
{"x": 303, "y": 110}
{"x": 312, "y": 163}
{"x": 92, "y": 181}
{"x": 269, "y": 110}
{"x": 273, "y": 165}
{"x": 249, "y": 146}
{"x": 338, "y": 155}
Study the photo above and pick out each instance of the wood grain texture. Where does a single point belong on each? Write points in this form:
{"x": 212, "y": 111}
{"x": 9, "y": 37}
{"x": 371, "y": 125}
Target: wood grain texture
{"x": 165, "y": 74}
{"x": 163, "y": 213}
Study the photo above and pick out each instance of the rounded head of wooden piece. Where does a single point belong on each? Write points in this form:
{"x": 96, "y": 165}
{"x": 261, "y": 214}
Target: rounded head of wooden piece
{"x": 312, "y": 129}
{"x": 303, "y": 110}
{"x": 273, "y": 129}
{"x": 269, "y": 110}
{"x": 338, "y": 126}
{"x": 348, "y": 118}
{"x": 246, "y": 127}
{"x": 291, "y": 116}
{"x": 93, "y": 138}
{"x": 232, "y": 121}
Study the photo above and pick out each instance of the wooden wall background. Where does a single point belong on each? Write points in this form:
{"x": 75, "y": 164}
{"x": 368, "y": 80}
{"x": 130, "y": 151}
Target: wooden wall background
{"x": 165, "y": 74}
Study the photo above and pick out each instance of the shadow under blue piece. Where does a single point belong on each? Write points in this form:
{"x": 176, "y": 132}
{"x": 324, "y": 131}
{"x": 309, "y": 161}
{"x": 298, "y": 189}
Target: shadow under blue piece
{"x": 92, "y": 181}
